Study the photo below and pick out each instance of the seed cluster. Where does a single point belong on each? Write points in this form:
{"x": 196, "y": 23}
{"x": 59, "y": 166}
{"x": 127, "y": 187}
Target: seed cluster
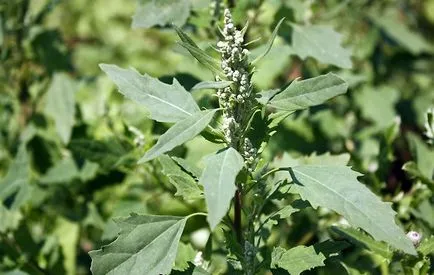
{"x": 236, "y": 100}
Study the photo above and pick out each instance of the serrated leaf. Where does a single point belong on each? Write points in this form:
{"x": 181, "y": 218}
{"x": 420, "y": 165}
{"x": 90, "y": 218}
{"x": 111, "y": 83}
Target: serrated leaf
{"x": 16, "y": 180}
{"x": 212, "y": 85}
{"x": 145, "y": 245}
{"x": 185, "y": 185}
{"x": 321, "y": 43}
{"x": 161, "y": 13}
{"x": 337, "y": 188}
{"x": 310, "y": 92}
{"x": 269, "y": 43}
{"x": 60, "y": 104}
{"x": 361, "y": 239}
{"x": 218, "y": 179}
{"x": 426, "y": 247}
{"x": 297, "y": 259}
{"x": 179, "y": 133}
{"x": 166, "y": 103}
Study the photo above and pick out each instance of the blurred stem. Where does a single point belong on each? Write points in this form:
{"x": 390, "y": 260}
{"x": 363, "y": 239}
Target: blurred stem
{"x": 231, "y": 4}
{"x": 237, "y": 215}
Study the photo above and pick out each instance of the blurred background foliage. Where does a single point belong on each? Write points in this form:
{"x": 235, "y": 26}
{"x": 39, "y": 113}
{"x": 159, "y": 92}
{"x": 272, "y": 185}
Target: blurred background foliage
{"x": 69, "y": 142}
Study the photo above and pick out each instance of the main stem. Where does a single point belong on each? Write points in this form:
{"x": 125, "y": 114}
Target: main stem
{"x": 237, "y": 215}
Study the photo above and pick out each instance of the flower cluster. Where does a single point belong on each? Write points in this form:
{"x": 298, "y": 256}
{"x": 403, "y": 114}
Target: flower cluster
{"x": 250, "y": 154}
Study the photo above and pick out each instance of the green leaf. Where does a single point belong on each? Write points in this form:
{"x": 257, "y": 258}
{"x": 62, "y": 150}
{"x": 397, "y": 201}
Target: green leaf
{"x": 186, "y": 254}
{"x": 200, "y": 271}
{"x": 145, "y": 245}
{"x": 321, "y": 43}
{"x": 297, "y": 259}
{"x": 166, "y": 103}
{"x": 218, "y": 179}
{"x": 63, "y": 171}
{"x": 179, "y": 133}
{"x": 17, "y": 179}
{"x": 361, "y": 239}
{"x": 212, "y": 64}
{"x": 310, "y": 92}
{"x": 161, "y": 13}
{"x": 212, "y": 85}
{"x": 10, "y": 219}
{"x": 269, "y": 43}
{"x": 186, "y": 186}
{"x": 426, "y": 247}
{"x": 188, "y": 166}
{"x": 337, "y": 188}
{"x": 424, "y": 155}
{"x": 60, "y": 104}
{"x": 68, "y": 235}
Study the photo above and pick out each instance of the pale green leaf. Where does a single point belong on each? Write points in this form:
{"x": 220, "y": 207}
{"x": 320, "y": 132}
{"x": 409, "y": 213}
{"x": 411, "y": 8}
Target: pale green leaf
{"x": 212, "y": 85}
{"x": 426, "y": 247}
{"x": 145, "y": 245}
{"x": 337, "y": 188}
{"x": 321, "y": 43}
{"x": 310, "y": 92}
{"x": 60, "y": 104}
{"x": 297, "y": 259}
{"x": 185, "y": 255}
{"x": 10, "y": 219}
{"x": 166, "y": 103}
{"x": 186, "y": 186}
{"x": 423, "y": 154}
{"x": 218, "y": 179}
{"x": 68, "y": 235}
{"x": 161, "y": 13}
{"x": 188, "y": 166}
{"x": 269, "y": 43}
{"x": 179, "y": 133}
{"x": 62, "y": 172}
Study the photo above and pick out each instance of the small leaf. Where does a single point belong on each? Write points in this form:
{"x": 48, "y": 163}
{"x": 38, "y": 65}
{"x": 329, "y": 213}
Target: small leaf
{"x": 297, "y": 259}
{"x": 166, "y": 103}
{"x": 212, "y": 85}
{"x": 337, "y": 188}
{"x": 269, "y": 43}
{"x": 311, "y": 92}
{"x": 218, "y": 179}
{"x": 179, "y": 133}
{"x": 321, "y": 43}
{"x": 161, "y": 13}
{"x": 145, "y": 245}
{"x": 60, "y": 104}
{"x": 185, "y": 185}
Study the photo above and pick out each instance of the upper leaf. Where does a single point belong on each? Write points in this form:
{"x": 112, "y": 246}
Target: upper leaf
{"x": 297, "y": 259}
{"x": 337, "y": 188}
{"x": 162, "y": 12}
{"x": 145, "y": 245}
{"x": 269, "y": 43}
{"x": 166, "y": 103}
{"x": 218, "y": 179}
{"x": 321, "y": 43}
{"x": 311, "y": 92}
{"x": 179, "y": 133}
{"x": 60, "y": 105}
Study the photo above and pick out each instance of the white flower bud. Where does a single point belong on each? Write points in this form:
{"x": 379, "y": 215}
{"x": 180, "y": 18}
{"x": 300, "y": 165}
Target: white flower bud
{"x": 415, "y": 237}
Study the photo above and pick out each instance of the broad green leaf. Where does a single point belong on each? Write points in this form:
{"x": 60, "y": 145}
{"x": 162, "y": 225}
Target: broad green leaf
{"x": 179, "y": 133}
{"x": 17, "y": 179}
{"x": 321, "y": 43}
{"x": 145, "y": 245}
{"x": 337, "y": 188}
{"x": 269, "y": 43}
{"x": 424, "y": 155}
{"x": 212, "y": 85}
{"x": 186, "y": 186}
{"x": 62, "y": 172}
{"x": 212, "y": 64}
{"x": 426, "y": 247}
{"x": 265, "y": 96}
{"x": 60, "y": 104}
{"x": 361, "y": 239}
{"x": 166, "y": 103}
{"x": 161, "y": 13}
{"x": 297, "y": 259}
{"x": 218, "y": 179}
{"x": 310, "y": 92}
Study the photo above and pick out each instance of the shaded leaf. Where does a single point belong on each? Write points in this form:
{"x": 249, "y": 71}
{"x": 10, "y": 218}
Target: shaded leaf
{"x": 185, "y": 185}
{"x": 297, "y": 259}
{"x": 337, "y": 188}
{"x": 145, "y": 245}
{"x": 321, "y": 43}
{"x": 179, "y": 133}
{"x": 166, "y": 103}
{"x": 62, "y": 172}
{"x": 426, "y": 247}
{"x": 161, "y": 13}
{"x": 60, "y": 104}
{"x": 306, "y": 93}
{"x": 218, "y": 179}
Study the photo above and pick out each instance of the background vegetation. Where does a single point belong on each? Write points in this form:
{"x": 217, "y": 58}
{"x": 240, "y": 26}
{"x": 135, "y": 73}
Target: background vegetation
{"x": 69, "y": 143}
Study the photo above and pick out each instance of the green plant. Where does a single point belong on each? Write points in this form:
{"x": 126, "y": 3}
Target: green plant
{"x": 236, "y": 174}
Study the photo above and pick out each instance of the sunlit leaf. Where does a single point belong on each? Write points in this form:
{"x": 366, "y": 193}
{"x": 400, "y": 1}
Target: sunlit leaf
{"x": 160, "y": 13}
{"x": 297, "y": 259}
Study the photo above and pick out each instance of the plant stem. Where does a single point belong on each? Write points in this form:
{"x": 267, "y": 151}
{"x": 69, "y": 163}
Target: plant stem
{"x": 231, "y": 4}
{"x": 237, "y": 215}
